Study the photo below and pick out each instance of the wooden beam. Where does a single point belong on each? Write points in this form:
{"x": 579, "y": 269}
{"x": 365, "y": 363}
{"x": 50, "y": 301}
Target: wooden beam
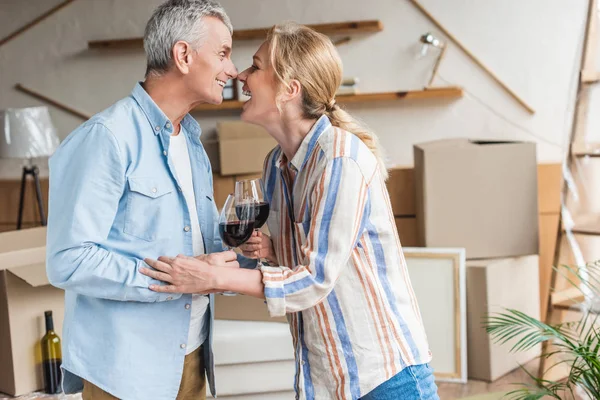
{"x": 338, "y": 28}
{"x": 472, "y": 56}
{"x": 428, "y": 93}
{"x": 52, "y": 102}
{"x": 36, "y": 21}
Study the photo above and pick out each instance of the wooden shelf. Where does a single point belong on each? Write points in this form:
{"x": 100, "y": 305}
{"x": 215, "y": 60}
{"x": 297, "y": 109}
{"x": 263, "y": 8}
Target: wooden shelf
{"x": 338, "y": 28}
{"x": 430, "y": 93}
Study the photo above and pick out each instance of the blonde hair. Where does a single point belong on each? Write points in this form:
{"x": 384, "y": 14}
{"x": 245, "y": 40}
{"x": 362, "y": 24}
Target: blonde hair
{"x": 298, "y": 52}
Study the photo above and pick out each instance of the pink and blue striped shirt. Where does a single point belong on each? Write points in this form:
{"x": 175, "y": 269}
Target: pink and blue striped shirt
{"x": 342, "y": 278}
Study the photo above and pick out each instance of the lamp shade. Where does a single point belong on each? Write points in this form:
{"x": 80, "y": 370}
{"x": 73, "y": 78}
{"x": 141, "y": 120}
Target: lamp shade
{"x": 27, "y": 133}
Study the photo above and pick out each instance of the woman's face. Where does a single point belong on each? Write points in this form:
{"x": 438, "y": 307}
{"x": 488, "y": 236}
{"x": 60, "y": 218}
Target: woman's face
{"x": 262, "y": 87}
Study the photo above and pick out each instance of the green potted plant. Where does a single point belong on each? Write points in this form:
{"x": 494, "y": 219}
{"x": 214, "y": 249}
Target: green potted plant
{"x": 574, "y": 344}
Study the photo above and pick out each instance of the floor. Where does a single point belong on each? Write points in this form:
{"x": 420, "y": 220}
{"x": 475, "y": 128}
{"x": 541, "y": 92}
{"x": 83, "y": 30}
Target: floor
{"x": 447, "y": 391}
{"x": 452, "y": 391}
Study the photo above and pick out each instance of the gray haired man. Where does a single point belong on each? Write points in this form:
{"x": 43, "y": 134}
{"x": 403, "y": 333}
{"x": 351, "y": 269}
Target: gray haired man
{"x": 134, "y": 182}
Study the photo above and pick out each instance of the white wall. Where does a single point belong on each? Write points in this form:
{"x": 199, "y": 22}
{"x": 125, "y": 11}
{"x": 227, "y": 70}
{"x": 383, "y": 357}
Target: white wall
{"x": 533, "y": 45}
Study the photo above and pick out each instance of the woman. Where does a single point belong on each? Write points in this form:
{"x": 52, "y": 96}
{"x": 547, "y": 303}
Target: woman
{"x": 337, "y": 268}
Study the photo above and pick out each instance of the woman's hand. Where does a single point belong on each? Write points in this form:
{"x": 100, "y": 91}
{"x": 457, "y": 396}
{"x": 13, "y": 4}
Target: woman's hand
{"x": 222, "y": 259}
{"x": 259, "y": 246}
{"x": 188, "y": 274}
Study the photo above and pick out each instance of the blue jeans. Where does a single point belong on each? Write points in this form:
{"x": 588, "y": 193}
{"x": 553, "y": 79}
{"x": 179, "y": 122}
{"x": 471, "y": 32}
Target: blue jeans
{"x": 412, "y": 383}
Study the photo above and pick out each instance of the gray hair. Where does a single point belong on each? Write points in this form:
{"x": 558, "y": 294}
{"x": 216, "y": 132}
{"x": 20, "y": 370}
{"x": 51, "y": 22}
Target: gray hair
{"x": 176, "y": 20}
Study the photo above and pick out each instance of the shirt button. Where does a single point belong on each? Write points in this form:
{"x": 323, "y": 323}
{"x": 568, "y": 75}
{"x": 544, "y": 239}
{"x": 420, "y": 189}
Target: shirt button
{"x": 165, "y": 152}
{"x": 302, "y": 362}
{"x": 187, "y": 306}
{"x": 168, "y": 125}
{"x": 182, "y": 345}
{"x": 169, "y": 298}
{"x": 157, "y": 128}
{"x": 187, "y": 229}
{"x": 153, "y": 190}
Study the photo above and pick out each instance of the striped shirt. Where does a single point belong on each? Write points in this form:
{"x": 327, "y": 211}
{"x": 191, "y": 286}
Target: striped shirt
{"x": 342, "y": 278}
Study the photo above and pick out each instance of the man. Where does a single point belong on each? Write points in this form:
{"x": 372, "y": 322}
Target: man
{"x": 134, "y": 182}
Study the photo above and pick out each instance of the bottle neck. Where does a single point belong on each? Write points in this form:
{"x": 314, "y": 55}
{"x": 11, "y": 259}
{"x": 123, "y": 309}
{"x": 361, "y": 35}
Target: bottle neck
{"x": 49, "y": 323}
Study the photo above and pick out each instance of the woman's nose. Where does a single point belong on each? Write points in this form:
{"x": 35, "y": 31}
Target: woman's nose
{"x": 242, "y": 76}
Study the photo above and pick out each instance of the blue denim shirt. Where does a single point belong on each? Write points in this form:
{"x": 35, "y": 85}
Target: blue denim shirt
{"x": 114, "y": 200}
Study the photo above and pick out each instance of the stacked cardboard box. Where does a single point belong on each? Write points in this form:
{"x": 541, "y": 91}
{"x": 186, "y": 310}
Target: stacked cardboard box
{"x": 487, "y": 284}
{"x": 401, "y": 188}
{"x": 483, "y": 196}
{"x": 242, "y": 147}
{"x": 25, "y": 294}
{"x": 402, "y": 195}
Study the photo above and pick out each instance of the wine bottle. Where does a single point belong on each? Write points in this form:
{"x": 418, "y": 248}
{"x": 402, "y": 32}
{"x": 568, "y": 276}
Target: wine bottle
{"x": 51, "y": 357}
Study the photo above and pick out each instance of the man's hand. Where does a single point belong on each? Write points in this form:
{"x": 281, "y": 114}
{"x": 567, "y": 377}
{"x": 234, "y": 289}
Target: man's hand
{"x": 188, "y": 274}
{"x": 259, "y": 246}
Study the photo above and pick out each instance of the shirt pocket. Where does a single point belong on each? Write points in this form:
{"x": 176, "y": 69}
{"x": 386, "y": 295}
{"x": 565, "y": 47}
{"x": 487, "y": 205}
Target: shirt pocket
{"x": 149, "y": 213}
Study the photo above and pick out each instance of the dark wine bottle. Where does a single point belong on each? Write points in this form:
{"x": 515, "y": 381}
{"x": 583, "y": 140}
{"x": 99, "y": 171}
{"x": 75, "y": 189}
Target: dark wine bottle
{"x": 51, "y": 357}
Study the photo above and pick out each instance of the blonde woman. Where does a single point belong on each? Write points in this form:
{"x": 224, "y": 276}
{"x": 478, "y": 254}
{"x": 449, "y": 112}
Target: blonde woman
{"x": 337, "y": 269}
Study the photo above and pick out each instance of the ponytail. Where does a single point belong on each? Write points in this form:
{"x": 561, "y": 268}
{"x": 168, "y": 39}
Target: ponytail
{"x": 343, "y": 120}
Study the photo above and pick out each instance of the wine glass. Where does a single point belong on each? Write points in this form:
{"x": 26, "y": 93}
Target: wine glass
{"x": 252, "y": 190}
{"x": 236, "y": 223}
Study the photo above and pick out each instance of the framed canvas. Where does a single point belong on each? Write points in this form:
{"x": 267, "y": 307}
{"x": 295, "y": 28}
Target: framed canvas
{"x": 438, "y": 278}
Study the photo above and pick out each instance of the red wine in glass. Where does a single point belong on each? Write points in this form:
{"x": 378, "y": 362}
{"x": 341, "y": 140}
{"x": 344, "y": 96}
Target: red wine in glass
{"x": 236, "y": 233}
{"x": 261, "y": 214}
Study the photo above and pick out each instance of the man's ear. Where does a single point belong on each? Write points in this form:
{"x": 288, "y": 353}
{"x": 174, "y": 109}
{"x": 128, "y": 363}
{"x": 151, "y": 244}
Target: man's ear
{"x": 182, "y": 56}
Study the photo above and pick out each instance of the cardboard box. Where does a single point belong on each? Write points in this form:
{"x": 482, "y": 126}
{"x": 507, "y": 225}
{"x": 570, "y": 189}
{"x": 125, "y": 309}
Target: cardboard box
{"x": 10, "y": 190}
{"x": 243, "y": 308}
{"x": 401, "y": 187}
{"x": 478, "y": 195}
{"x": 256, "y": 175}
{"x": 222, "y": 187}
{"x": 549, "y": 188}
{"x": 407, "y": 231}
{"x": 211, "y": 146}
{"x": 25, "y": 294}
{"x": 487, "y": 283}
{"x": 242, "y": 147}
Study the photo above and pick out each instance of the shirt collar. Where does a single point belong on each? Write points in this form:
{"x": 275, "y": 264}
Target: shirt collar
{"x": 158, "y": 120}
{"x": 307, "y": 146}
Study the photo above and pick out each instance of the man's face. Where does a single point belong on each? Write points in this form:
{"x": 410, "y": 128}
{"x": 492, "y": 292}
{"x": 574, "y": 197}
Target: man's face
{"x": 212, "y": 67}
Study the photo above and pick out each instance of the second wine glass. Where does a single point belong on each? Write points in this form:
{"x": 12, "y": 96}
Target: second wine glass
{"x": 236, "y": 223}
{"x": 251, "y": 190}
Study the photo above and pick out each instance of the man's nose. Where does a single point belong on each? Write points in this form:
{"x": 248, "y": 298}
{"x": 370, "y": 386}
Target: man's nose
{"x": 232, "y": 71}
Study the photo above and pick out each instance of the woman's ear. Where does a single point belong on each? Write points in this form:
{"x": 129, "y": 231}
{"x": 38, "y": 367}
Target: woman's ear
{"x": 182, "y": 56}
{"x": 294, "y": 89}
